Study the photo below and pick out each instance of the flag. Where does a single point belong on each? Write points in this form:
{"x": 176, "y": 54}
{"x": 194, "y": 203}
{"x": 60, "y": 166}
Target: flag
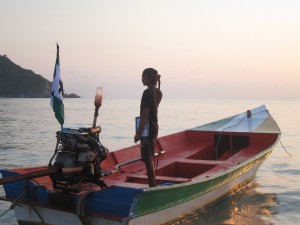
{"x": 57, "y": 92}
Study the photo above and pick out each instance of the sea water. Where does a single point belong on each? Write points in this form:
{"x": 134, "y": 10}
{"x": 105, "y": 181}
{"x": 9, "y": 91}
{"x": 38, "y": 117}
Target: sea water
{"x": 28, "y": 136}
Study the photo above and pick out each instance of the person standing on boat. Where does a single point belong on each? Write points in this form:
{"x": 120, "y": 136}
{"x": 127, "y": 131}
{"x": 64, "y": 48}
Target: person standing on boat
{"x": 147, "y": 129}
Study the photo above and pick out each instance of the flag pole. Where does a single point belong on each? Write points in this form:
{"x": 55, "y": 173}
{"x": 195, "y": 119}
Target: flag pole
{"x": 57, "y": 92}
{"x": 57, "y": 58}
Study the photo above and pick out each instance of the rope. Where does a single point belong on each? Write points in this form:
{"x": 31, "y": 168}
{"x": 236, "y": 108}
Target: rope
{"x": 222, "y": 133}
{"x": 238, "y": 124}
{"x": 80, "y": 208}
{"x": 37, "y": 213}
{"x": 246, "y": 115}
{"x": 18, "y": 199}
{"x": 286, "y": 150}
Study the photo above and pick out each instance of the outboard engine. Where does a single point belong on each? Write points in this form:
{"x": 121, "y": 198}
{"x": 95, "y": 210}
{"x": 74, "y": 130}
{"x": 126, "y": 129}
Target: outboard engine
{"x": 80, "y": 152}
{"x": 79, "y": 148}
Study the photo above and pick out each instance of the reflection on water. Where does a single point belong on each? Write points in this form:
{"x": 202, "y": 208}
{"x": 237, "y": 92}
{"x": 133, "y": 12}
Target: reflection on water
{"x": 247, "y": 206}
{"x": 251, "y": 207}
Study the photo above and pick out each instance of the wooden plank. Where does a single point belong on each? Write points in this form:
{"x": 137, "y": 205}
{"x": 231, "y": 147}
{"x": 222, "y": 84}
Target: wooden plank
{"x": 207, "y": 162}
{"x": 143, "y": 177}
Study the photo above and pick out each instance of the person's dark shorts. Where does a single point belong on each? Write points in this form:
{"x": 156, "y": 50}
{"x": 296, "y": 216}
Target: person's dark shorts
{"x": 147, "y": 149}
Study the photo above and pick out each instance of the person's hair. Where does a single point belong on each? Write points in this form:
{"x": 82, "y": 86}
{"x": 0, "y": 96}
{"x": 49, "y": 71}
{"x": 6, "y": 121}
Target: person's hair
{"x": 153, "y": 76}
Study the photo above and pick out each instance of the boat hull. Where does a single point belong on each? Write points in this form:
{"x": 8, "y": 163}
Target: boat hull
{"x": 219, "y": 187}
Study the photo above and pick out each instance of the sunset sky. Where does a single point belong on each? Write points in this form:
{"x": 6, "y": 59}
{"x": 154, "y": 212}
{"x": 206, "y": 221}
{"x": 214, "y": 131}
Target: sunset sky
{"x": 230, "y": 49}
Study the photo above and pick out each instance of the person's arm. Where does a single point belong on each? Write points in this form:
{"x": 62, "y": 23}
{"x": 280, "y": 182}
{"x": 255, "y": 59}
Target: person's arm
{"x": 143, "y": 121}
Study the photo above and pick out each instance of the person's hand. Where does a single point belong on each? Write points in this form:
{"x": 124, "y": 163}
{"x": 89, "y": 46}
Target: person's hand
{"x": 137, "y": 137}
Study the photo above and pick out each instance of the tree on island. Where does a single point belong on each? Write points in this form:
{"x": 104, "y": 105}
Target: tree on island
{"x": 17, "y": 82}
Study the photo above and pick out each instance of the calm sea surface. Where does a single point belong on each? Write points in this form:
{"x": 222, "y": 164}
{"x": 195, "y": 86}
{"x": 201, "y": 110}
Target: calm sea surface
{"x": 27, "y": 138}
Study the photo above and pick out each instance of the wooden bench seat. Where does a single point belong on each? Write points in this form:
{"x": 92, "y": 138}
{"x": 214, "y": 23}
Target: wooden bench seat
{"x": 144, "y": 178}
{"x": 199, "y": 161}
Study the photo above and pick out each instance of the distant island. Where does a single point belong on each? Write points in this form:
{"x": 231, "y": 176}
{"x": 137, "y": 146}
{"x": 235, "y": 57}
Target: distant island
{"x": 16, "y": 82}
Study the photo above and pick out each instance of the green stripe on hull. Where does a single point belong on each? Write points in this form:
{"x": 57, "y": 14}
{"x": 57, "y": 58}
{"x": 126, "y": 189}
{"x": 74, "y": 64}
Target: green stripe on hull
{"x": 165, "y": 197}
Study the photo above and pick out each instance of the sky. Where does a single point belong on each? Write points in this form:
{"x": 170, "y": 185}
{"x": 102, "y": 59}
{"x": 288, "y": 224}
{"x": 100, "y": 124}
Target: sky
{"x": 216, "y": 49}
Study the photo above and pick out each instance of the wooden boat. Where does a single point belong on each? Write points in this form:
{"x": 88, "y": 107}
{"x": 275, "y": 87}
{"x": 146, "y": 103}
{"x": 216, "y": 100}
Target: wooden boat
{"x": 194, "y": 169}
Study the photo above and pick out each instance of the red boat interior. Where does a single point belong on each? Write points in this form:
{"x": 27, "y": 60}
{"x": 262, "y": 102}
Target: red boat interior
{"x": 181, "y": 157}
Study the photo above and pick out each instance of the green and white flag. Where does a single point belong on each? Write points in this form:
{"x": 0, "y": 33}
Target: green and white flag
{"x": 57, "y": 92}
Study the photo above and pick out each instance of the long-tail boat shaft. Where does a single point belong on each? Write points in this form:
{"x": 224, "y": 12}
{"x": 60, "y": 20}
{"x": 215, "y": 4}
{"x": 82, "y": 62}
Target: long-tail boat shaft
{"x": 40, "y": 173}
